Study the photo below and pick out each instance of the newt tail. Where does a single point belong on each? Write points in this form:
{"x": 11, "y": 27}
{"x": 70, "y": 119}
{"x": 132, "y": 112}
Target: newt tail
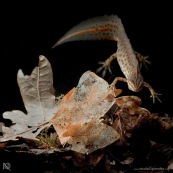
{"x": 98, "y": 28}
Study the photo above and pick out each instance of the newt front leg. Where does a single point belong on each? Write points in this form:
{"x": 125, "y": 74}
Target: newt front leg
{"x": 153, "y": 93}
{"x": 106, "y": 65}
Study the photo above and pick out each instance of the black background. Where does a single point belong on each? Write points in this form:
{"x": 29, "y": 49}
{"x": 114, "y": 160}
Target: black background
{"x": 29, "y": 30}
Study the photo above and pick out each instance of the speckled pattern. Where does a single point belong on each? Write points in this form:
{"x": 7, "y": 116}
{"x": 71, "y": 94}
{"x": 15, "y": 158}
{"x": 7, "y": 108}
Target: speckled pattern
{"x": 111, "y": 28}
{"x": 98, "y": 28}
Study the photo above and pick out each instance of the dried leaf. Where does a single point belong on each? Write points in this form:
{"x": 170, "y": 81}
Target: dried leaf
{"x": 129, "y": 116}
{"x": 127, "y": 161}
{"x": 170, "y": 166}
{"x": 131, "y": 103}
{"x": 90, "y": 159}
{"x": 37, "y": 94}
{"x": 166, "y": 122}
{"x": 77, "y": 120}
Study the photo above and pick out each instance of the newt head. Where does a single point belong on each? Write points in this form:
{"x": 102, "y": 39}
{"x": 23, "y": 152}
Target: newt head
{"x": 135, "y": 83}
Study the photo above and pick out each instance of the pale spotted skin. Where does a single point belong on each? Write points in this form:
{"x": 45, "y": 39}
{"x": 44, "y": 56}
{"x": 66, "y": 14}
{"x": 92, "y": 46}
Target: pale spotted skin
{"x": 111, "y": 28}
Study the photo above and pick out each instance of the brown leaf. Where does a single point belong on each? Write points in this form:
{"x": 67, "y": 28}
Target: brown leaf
{"x": 129, "y": 116}
{"x": 166, "y": 122}
{"x": 131, "y": 103}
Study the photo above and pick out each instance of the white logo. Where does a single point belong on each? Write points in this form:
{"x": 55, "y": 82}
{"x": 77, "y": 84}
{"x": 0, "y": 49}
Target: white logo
{"x": 7, "y": 166}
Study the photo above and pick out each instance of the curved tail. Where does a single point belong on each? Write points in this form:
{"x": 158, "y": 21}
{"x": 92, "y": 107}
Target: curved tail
{"x": 97, "y": 28}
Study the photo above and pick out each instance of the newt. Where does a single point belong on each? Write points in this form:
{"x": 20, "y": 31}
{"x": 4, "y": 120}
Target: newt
{"x": 110, "y": 27}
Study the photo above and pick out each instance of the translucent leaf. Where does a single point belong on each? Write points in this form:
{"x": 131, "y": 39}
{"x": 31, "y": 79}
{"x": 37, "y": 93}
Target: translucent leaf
{"x": 92, "y": 136}
{"x": 82, "y": 107}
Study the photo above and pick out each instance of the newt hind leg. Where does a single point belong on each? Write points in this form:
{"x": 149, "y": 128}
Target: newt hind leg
{"x": 106, "y": 65}
{"x": 143, "y": 60}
